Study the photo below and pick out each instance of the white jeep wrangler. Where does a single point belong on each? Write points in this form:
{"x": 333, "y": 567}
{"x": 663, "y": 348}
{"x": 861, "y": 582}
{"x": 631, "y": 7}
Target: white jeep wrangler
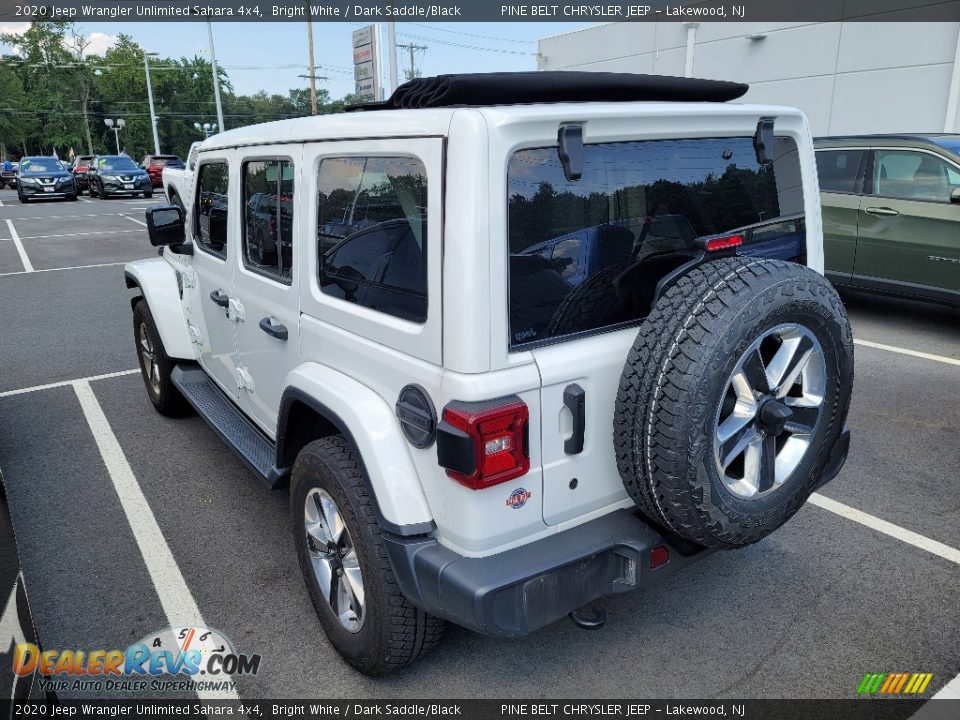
{"x": 516, "y": 341}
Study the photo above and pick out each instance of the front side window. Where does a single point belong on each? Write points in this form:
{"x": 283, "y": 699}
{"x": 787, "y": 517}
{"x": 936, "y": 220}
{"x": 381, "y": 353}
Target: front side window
{"x": 838, "y": 170}
{"x": 372, "y": 233}
{"x": 909, "y": 175}
{"x": 587, "y": 254}
{"x": 210, "y": 210}
{"x": 268, "y": 217}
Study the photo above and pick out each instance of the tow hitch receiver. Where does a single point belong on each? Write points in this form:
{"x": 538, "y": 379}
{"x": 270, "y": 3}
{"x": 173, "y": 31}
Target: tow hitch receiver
{"x": 592, "y": 618}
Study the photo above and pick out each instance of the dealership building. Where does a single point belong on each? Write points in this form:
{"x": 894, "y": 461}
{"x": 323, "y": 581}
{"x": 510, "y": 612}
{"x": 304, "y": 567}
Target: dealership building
{"x": 848, "y": 77}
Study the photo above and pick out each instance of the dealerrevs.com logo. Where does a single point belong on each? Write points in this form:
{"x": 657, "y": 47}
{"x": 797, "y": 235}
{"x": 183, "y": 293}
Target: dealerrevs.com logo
{"x": 205, "y": 657}
{"x": 894, "y": 683}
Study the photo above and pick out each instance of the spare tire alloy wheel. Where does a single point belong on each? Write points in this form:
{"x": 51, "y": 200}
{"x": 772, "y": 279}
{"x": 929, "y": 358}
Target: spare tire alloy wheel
{"x": 333, "y": 558}
{"x": 770, "y": 410}
{"x": 732, "y": 399}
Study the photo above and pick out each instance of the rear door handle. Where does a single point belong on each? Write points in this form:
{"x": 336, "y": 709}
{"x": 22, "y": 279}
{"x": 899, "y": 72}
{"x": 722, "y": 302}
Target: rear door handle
{"x": 220, "y": 298}
{"x": 271, "y": 326}
{"x": 882, "y": 211}
{"x": 575, "y": 400}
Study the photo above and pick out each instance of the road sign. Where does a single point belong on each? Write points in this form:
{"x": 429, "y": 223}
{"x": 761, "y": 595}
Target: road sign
{"x": 366, "y": 63}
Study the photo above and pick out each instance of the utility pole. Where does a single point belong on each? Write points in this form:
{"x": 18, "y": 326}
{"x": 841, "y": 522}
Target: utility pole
{"x": 313, "y": 68}
{"x": 413, "y": 48}
{"x": 392, "y": 51}
{"x": 216, "y": 78}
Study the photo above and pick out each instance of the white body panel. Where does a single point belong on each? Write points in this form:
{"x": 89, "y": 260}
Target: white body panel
{"x": 381, "y": 444}
{"x": 157, "y": 280}
{"x": 263, "y": 358}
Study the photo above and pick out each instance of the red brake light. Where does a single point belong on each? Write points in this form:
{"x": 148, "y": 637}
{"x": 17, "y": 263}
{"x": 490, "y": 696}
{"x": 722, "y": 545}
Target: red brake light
{"x": 723, "y": 243}
{"x": 496, "y": 437}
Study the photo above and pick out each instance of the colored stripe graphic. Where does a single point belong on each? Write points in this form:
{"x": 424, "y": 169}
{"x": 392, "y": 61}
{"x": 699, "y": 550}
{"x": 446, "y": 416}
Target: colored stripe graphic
{"x": 894, "y": 683}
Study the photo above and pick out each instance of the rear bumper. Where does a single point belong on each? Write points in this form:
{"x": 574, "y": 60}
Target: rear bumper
{"x": 518, "y": 591}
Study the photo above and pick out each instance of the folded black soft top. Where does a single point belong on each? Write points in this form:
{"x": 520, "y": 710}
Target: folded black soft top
{"x": 510, "y": 88}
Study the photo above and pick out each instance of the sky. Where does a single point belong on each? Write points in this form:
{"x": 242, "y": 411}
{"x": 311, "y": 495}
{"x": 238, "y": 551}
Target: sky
{"x": 271, "y": 56}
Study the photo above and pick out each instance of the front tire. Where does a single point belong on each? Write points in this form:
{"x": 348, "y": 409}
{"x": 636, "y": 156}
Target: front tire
{"x": 155, "y": 366}
{"x": 732, "y": 399}
{"x": 345, "y": 565}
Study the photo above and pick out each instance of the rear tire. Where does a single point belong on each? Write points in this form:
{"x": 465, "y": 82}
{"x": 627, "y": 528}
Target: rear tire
{"x": 732, "y": 399}
{"x": 148, "y": 195}
{"x": 381, "y": 631}
{"x": 156, "y": 366}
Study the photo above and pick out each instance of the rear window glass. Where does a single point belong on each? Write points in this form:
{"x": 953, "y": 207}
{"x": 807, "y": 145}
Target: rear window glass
{"x": 586, "y": 255}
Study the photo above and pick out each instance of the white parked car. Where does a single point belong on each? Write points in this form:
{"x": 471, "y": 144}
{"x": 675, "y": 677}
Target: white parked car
{"x": 515, "y": 341}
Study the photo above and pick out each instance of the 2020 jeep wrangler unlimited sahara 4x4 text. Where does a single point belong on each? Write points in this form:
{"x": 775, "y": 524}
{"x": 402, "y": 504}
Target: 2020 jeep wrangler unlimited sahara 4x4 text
{"x": 515, "y": 341}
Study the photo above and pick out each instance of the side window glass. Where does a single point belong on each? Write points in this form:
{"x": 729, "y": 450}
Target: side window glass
{"x": 210, "y": 209}
{"x": 908, "y": 175}
{"x": 268, "y": 217}
{"x": 372, "y": 233}
{"x": 838, "y": 170}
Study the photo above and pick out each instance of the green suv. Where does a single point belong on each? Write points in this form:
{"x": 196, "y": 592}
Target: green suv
{"x": 891, "y": 213}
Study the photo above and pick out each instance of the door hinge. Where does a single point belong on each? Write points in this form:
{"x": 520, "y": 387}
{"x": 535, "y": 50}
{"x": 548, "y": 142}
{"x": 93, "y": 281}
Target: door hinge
{"x": 194, "y": 332}
{"x": 189, "y": 278}
{"x": 236, "y": 311}
{"x": 244, "y": 380}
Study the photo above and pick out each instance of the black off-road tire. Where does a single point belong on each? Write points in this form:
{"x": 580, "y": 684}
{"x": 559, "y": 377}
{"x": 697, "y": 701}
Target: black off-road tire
{"x": 674, "y": 382}
{"x": 394, "y": 633}
{"x": 163, "y": 393}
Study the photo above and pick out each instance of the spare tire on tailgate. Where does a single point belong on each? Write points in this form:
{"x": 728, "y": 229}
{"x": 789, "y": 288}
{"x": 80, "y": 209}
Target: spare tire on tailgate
{"x": 732, "y": 398}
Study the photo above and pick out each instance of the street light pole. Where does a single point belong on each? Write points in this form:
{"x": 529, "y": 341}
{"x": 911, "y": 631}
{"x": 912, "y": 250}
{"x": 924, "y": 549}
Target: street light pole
{"x": 216, "y": 77}
{"x": 392, "y": 50}
{"x": 115, "y": 125}
{"x": 153, "y": 114}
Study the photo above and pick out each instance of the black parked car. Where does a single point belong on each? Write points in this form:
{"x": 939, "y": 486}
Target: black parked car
{"x": 44, "y": 177}
{"x": 117, "y": 175}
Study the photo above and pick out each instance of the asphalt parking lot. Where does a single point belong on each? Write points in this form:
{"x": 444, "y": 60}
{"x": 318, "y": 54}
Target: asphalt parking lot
{"x": 129, "y": 522}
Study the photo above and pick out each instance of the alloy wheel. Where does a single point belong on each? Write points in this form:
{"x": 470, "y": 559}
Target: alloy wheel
{"x": 333, "y": 558}
{"x": 769, "y": 412}
{"x": 150, "y": 366}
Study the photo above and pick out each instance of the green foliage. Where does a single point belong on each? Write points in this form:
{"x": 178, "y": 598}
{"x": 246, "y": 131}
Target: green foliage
{"x": 53, "y": 95}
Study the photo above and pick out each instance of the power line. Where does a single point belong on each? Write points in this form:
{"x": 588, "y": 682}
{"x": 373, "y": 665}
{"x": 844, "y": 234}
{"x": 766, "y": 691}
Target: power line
{"x": 473, "y": 35}
{"x": 464, "y": 46}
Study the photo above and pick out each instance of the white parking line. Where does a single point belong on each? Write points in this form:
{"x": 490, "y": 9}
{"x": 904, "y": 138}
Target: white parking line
{"x": 27, "y": 265}
{"x": 887, "y": 528}
{"x": 83, "y": 199}
{"x": 175, "y": 596}
{"x": 1, "y": 203}
{"x": 83, "y": 234}
{"x": 905, "y": 351}
{"x": 64, "y": 383}
{"x": 138, "y": 222}
{"x": 72, "y": 267}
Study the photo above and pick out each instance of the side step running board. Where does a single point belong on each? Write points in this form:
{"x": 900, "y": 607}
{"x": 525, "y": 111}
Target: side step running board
{"x": 254, "y": 448}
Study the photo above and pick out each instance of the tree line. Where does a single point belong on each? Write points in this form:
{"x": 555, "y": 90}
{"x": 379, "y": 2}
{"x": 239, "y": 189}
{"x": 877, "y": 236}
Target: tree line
{"x": 55, "y": 96}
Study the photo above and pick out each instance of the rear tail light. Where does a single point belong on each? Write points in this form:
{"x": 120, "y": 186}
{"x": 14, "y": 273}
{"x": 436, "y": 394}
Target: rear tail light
{"x": 723, "y": 243}
{"x": 484, "y": 444}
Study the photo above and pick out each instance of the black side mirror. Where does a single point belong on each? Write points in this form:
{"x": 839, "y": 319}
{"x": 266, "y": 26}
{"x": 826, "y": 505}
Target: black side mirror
{"x": 955, "y": 196}
{"x": 165, "y": 225}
